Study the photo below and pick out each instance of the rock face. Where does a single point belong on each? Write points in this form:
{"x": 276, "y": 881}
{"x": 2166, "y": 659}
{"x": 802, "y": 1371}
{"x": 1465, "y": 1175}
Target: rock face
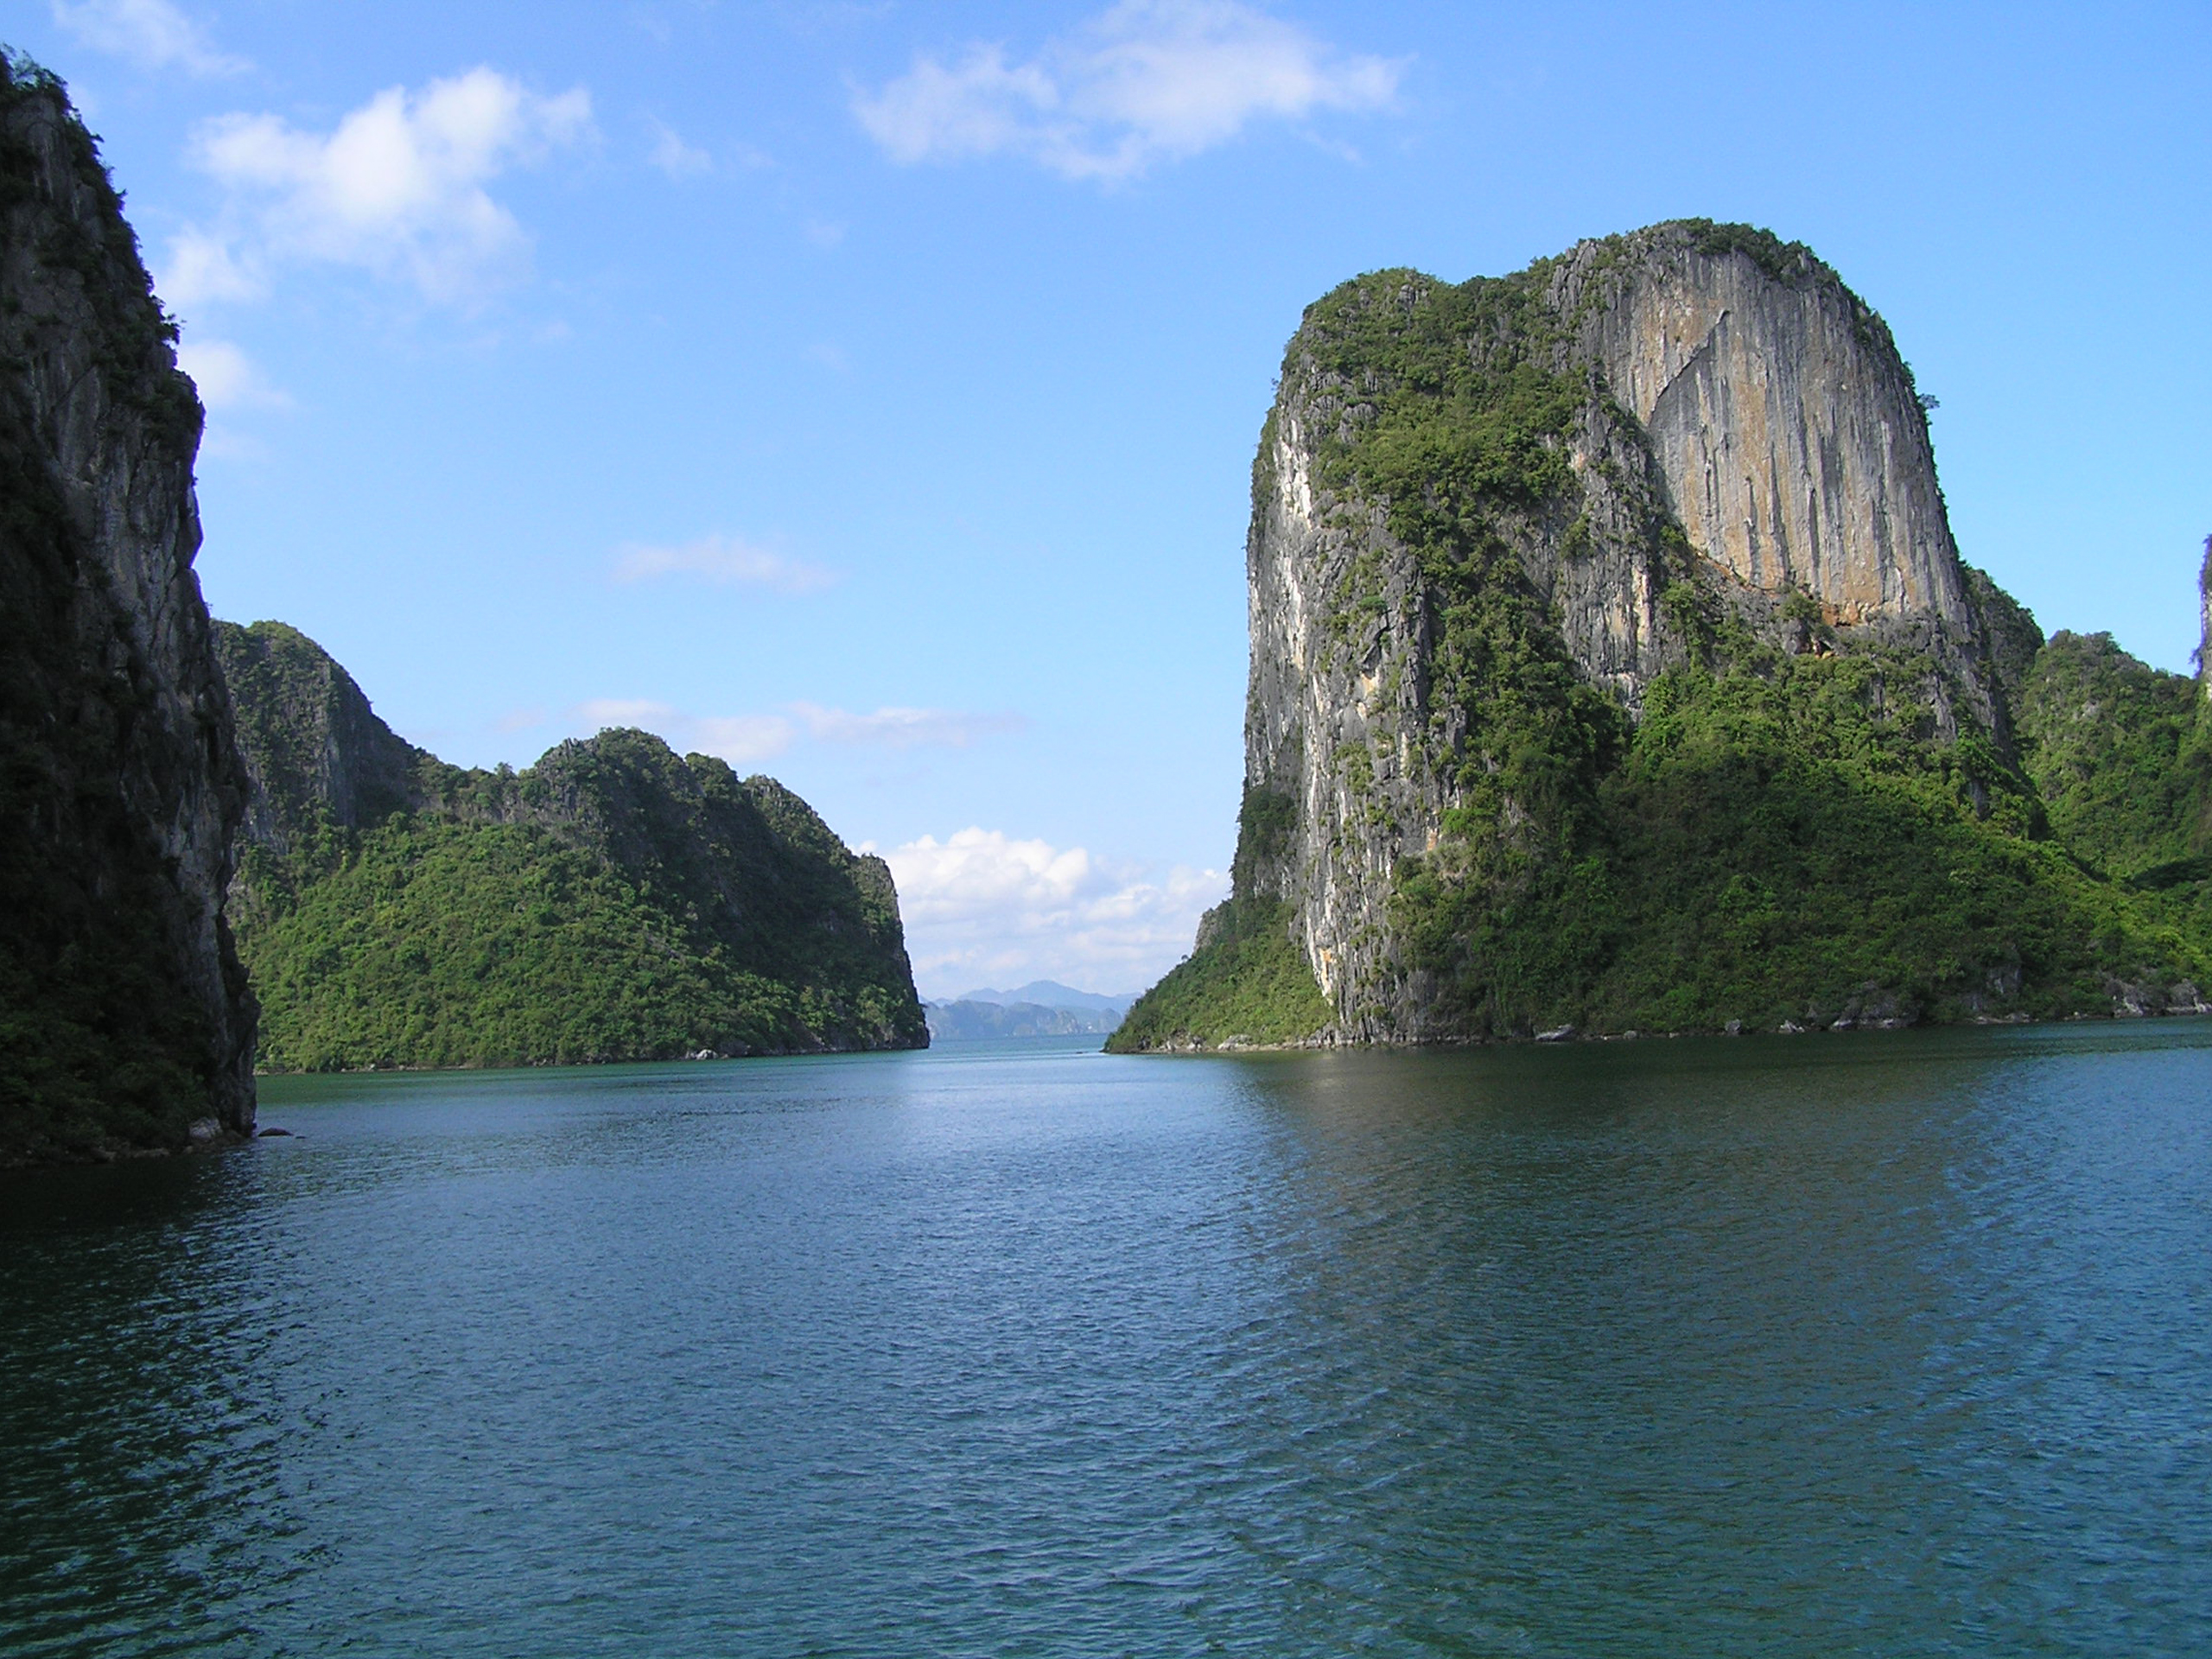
{"x": 1493, "y": 521}
{"x": 315, "y": 751}
{"x": 124, "y": 1018}
{"x": 2204, "y": 604}
{"x": 1724, "y": 415}
{"x": 614, "y": 901}
{"x": 1788, "y": 441}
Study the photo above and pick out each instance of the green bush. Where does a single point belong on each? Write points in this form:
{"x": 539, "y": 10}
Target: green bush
{"x": 1247, "y": 980}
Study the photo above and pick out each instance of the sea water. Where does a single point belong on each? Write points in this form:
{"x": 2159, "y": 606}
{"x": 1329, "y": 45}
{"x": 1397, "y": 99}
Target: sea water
{"x": 1886, "y": 1344}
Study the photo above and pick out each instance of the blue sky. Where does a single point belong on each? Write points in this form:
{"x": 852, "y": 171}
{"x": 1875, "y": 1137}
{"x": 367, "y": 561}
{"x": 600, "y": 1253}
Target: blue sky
{"x": 868, "y": 393}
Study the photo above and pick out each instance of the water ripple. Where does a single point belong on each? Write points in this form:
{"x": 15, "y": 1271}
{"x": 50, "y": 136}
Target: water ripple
{"x": 1896, "y": 1344}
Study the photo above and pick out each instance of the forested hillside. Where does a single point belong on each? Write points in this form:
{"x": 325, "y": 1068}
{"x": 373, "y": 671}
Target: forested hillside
{"x": 613, "y": 902}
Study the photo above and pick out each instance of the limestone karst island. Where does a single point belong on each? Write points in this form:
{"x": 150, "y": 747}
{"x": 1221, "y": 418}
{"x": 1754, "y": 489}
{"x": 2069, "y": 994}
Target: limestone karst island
{"x": 1612, "y": 669}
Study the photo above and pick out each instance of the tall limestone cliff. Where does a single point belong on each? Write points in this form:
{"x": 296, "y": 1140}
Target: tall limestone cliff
{"x": 1586, "y": 597}
{"x": 126, "y": 1023}
{"x": 2204, "y": 608}
{"x": 614, "y": 901}
{"x": 316, "y": 755}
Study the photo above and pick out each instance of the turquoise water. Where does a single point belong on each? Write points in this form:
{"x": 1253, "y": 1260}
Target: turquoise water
{"x": 1884, "y": 1344}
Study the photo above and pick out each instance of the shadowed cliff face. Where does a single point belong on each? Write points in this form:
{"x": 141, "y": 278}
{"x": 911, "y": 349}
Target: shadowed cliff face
{"x": 125, "y": 1019}
{"x": 315, "y": 751}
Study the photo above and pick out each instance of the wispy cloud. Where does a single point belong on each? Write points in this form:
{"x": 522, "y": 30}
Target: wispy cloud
{"x": 151, "y": 34}
{"x": 726, "y": 559}
{"x": 1145, "y": 82}
{"x": 398, "y": 188}
{"x": 208, "y": 265}
{"x": 983, "y": 906}
{"x": 602, "y": 712}
{"x": 674, "y": 157}
{"x": 903, "y": 728}
{"x": 226, "y": 376}
{"x": 743, "y": 740}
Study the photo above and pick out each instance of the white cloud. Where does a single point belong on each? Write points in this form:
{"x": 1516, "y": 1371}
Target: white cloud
{"x": 219, "y": 443}
{"x": 738, "y": 739}
{"x": 1147, "y": 81}
{"x": 903, "y": 728}
{"x": 726, "y": 559}
{"x": 152, "y": 34}
{"x": 398, "y": 188}
{"x": 602, "y": 712}
{"x": 743, "y": 740}
{"x": 204, "y": 266}
{"x": 226, "y": 376}
{"x": 982, "y": 907}
{"x": 674, "y": 157}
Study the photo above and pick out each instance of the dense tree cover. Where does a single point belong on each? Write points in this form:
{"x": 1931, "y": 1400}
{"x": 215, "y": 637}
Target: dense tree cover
{"x": 615, "y": 901}
{"x": 435, "y": 943}
{"x": 1776, "y": 844}
{"x": 1247, "y": 980}
{"x": 2118, "y": 754}
{"x": 1773, "y": 848}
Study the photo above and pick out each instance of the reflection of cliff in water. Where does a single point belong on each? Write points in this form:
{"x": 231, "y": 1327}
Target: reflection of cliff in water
{"x": 1739, "y": 1318}
{"x": 1704, "y": 1347}
{"x": 142, "y": 1477}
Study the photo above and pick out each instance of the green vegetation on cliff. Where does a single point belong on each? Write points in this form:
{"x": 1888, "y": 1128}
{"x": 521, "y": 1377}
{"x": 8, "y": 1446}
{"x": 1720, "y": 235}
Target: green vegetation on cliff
{"x": 1780, "y": 840}
{"x": 1773, "y": 847}
{"x": 1775, "y": 843}
{"x": 1246, "y": 983}
{"x": 1796, "y": 821}
{"x": 615, "y": 901}
{"x": 2119, "y": 752}
{"x": 124, "y": 1017}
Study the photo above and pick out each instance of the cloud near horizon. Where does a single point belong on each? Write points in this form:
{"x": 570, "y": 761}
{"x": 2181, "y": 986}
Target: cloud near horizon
{"x": 398, "y": 188}
{"x": 982, "y": 907}
{"x": 1144, "y": 82}
{"x": 151, "y": 34}
{"x": 728, "y": 559}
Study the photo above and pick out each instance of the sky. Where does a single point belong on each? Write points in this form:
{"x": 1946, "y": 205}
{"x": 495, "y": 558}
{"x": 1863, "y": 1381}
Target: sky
{"x": 866, "y": 393}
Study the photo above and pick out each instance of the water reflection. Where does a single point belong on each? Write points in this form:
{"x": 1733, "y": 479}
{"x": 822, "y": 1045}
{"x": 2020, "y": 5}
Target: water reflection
{"x": 143, "y": 1421}
{"x": 1896, "y": 1344}
{"x": 1618, "y": 1341}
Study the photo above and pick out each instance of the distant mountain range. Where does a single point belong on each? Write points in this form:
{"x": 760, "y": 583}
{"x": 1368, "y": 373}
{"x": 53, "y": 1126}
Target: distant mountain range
{"x": 1051, "y": 994}
{"x": 1043, "y": 1007}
